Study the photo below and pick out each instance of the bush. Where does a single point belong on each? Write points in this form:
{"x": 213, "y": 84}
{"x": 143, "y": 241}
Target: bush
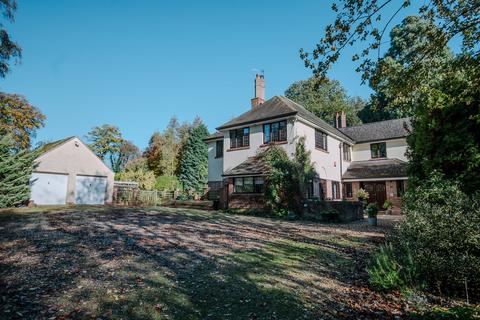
{"x": 170, "y": 183}
{"x": 372, "y": 210}
{"x": 329, "y": 215}
{"x": 137, "y": 171}
{"x": 387, "y": 272}
{"x": 441, "y": 232}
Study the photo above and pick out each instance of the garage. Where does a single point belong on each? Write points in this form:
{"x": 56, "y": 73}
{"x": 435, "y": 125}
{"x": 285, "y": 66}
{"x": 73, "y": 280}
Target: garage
{"x": 49, "y": 188}
{"x": 68, "y": 172}
{"x": 90, "y": 190}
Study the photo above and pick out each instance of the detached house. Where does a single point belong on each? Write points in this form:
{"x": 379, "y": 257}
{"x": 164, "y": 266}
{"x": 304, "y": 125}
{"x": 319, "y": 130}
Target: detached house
{"x": 370, "y": 156}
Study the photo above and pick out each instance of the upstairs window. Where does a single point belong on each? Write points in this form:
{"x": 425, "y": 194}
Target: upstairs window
{"x": 347, "y": 154}
{"x": 378, "y": 150}
{"x": 240, "y": 138}
{"x": 321, "y": 140}
{"x": 219, "y": 149}
{"x": 248, "y": 185}
{"x": 275, "y": 132}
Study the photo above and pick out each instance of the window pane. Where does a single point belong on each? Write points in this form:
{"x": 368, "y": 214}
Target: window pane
{"x": 248, "y": 184}
{"x": 266, "y": 133}
{"x": 219, "y": 149}
{"x": 383, "y": 150}
{"x": 238, "y": 185}
{"x": 258, "y": 188}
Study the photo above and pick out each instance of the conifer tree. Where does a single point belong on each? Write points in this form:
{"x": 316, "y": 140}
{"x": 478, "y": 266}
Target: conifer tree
{"x": 15, "y": 172}
{"x": 194, "y": 162}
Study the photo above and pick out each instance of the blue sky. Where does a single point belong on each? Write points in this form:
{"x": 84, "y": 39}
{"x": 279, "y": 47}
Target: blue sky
{"x": 137, "y": 63}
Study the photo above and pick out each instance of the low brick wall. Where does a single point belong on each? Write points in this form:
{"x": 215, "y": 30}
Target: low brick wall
{"x": 246, "y": 201}
{"x": 347, "y": 210}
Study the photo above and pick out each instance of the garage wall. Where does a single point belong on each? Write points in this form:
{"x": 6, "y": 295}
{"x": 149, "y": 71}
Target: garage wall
{"x": 75, "y": 158}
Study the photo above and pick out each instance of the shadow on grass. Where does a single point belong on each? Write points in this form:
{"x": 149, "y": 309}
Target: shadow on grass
{"x": 169, "y": 264}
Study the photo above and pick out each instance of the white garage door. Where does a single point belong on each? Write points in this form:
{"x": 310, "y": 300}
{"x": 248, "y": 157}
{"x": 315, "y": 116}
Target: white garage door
{"x": 48, "y": 188}
{"x": 90, "y": 190}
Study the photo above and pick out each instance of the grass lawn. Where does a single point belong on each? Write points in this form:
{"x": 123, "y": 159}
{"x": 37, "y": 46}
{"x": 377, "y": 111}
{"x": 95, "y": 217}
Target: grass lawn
{"x": 163, "y": 263}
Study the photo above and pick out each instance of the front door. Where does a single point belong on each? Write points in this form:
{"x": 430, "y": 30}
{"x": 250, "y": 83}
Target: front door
{"x": 377, "y": 192}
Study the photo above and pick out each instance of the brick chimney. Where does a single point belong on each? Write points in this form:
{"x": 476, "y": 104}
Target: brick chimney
{"x": 340, "y": 120}
{"x": 259, "y": 98}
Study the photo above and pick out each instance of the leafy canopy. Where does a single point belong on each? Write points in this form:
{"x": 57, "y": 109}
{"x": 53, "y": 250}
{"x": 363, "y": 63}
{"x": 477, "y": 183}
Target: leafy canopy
{"x": 20, "y": 119}
{"x": 8, "y": 48}
{"x": 325, "y": 99}
{"x": 106, "y": 142}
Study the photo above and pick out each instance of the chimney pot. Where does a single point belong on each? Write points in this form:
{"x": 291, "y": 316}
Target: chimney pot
{"x": 259, "y": 98}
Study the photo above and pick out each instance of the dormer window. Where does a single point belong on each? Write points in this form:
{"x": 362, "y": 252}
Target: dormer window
{"x": 240, "y": 138}
{"x": 378, "y": 150}
{"x": 347, "y": 155}
{"x": 275, "y": 132}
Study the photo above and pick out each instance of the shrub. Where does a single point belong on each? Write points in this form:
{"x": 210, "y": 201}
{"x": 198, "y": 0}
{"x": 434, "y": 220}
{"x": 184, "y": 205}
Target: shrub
{"x": 372, "y": 210}
{"x": 137, "y": 171}
{"x": 441, "y": 232}
{"x": 287, "y": 178}
{"x": 387, "y": 205}
{"x": 329, "y": 215}
{"x": 387, "y": 271}
{"x": 167, "y": 183}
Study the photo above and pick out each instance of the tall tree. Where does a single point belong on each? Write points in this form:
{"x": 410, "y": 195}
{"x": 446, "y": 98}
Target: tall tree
{"x": 107, "y": 143}
{"x": 15, "y": 171}
{"x": 8, "y": 49}
{"x": 20, "y": 119}
{"x": 324, "y": 99}
{"x": 127, "y": 151}
{"x": 194, "y": 161}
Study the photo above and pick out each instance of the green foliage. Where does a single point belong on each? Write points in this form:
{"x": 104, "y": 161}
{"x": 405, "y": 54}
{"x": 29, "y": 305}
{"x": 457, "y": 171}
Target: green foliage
{"x": 329, "y": 215}
{"x": 386, "y": 271}
{"x": 372, "y": 210}
{"x": 15, "y": 171}
{"x": 194, "y": 160}
{"x": 137, "y": 171}
{"x": 362, "y": 194}
{"x": 167, "y": 183}
{"x": 287, "y": 178}
{"x": 440, "y": 237}
{"x": 165, "y": 149}
{"x": 324, "y": 99}
{"x": 387, "y": 205}
{"x": 454, "y": 313}
{"x": 8, "y": 48}
{"x": 19, "y": 119}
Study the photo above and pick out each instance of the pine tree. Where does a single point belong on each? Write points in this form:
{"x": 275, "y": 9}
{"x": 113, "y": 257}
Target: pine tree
{"x": 194, "y": 162}
{"x": 15, "y": 172}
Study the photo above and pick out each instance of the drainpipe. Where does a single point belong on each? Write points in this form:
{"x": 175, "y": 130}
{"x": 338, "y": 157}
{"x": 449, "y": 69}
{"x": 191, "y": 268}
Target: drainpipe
{"x": 341, "y": 163}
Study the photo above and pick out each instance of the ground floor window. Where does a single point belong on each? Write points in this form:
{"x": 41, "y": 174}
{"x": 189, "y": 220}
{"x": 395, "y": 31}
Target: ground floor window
{"x": 248, "y": 185}
{"x": 322, "y": 188}
{"x": 310, "y": 191}
{"x": 348, "y": 190}
{"x": 400, "y": 188}
{"x": 335, "y": 190}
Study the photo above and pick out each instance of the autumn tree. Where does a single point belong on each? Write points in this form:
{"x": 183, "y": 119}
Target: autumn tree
{"x": 8, "y": 48}
{"x": 20, "y": 119}
{"x": 107, "y": 143}
{"x": 324, "y": 99}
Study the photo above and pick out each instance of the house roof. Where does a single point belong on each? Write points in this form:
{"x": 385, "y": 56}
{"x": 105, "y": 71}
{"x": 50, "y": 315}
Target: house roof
{"x": 251, "y": 166}
{"x": 382, "y": 130}
{"x": 376, "y": 169}
{"x": 51, "y": 145}
{"x": 214, "y": 136}
{"x": 277, "y": 107}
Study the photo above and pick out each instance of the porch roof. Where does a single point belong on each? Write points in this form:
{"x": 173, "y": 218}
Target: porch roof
{"x": 251, "y": 166}
{"x": 376, "y": 169}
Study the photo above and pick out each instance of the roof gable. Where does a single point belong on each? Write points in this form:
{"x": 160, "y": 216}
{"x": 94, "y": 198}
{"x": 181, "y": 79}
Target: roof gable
{"x": 277, "y": 107}
{"x": 58, "y": 147}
